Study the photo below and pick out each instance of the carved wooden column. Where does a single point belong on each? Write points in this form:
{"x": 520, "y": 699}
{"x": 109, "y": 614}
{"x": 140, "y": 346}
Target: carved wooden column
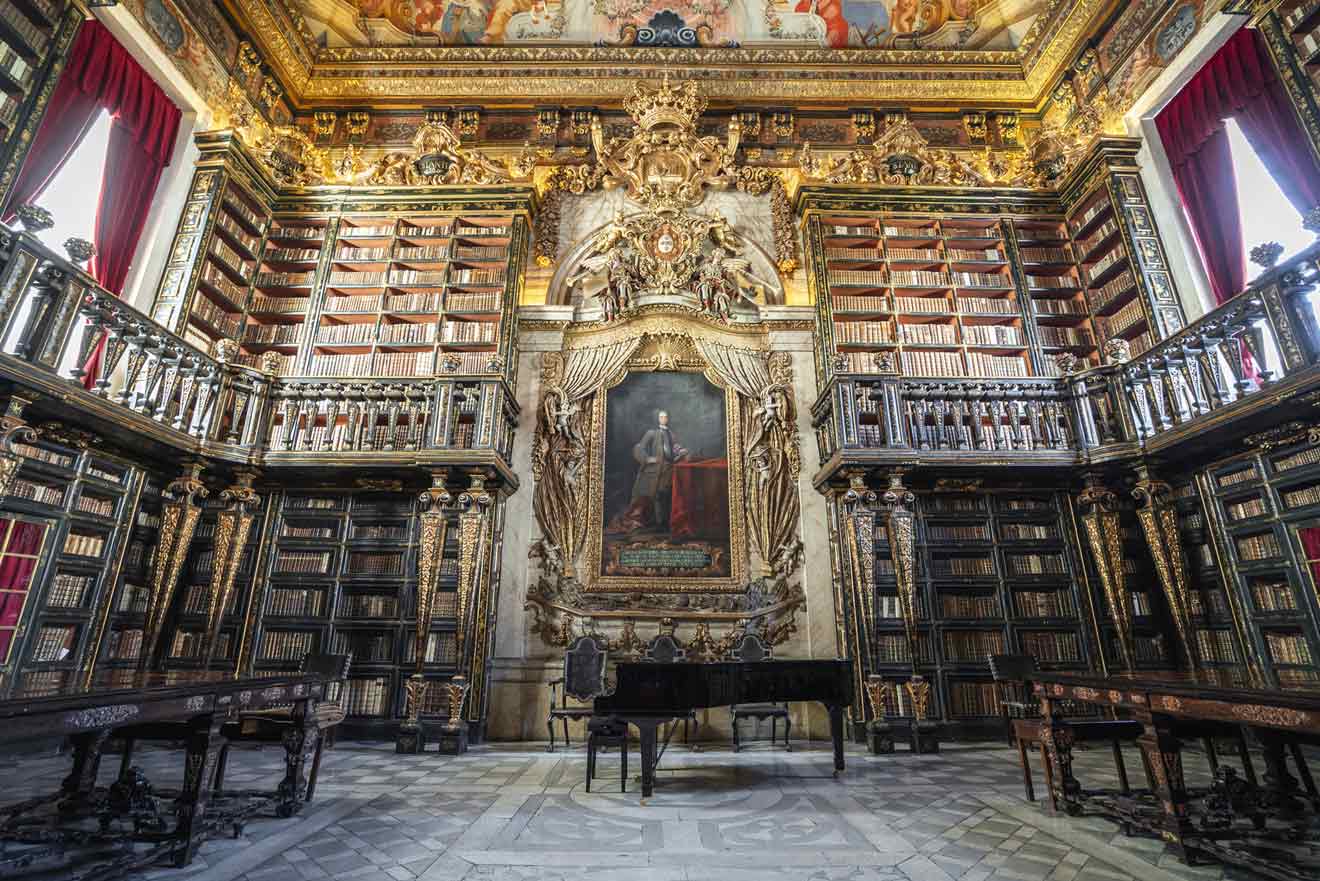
{"x": 430, "y": 552}
{"x": 231, "y": 533}
{"x": 13, "y": 428}
{"x": 1105, "y": 538}
{"x": 1159, "y": 522}
{"x": 179, "y": 510}
{"x": 896, "y": 501}
{"x": 471, "y": 633}
{"x": 859, "y": 538}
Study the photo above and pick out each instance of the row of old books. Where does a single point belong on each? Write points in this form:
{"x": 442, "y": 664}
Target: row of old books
{"x": 309, "y": 531}
{"x": 364, "y": 563}
{"x": 223, "y": 252}
{"x": 262, "y": 304}
{"x": 95, "y": 505}
{"x": 41, "y": 454}
{"x": 1059, "y": 307}
{"x": 987, "y": 306}
{"x": 69, "y": 591}
{"x": 188, "y": 644}
{"x": 125, "y": 644}
{"x": 199, "y": 597}
{"x": 481, "y": 277}
{"x": 973, "y": 645}
{"x": 1036, "y": 564}
{"x": 406, "y": 333}
{"x": 1288, "y": 647}
{"x": 340, "y": 333}
{"x": 287, "y": 645}
{"x": 1051, "y": 646}
{"x": 892, "y": 648}
{"x": 468, "y": 332}
{"x": 41, "y": 493}
{"x": 352, "y": 254}
{"x": 81, "y": 544}
{"x": 973, "y": 699}
{"x": 962, "y": 567}
{"x": 1209, "y": 601}
{"x": 1039, "y": 255}
{"x": 922, "y": 363}
{"x": 366, "y": 697}
{"x": 1302, "y": 496}
{"x": 234, "y": 203}
{"x": 928, "y": 333}
{"x": 1103, "y": 231}
{"x": 1128, "y": 316}
{"x": 292, "y": 255}
{"x": 303, "y": 562}
{"x": 133, "y": 598}
{"x": 955, "y": 605}
{"x": 1273, "y": 596}
{"x": 371, "y": 303}
{"x": 1065, "y": 336}
{"x": 1262, "y": 546}
{"x": 224, "y": 323}
{"x": 380, "y": 531}
{"x": 1233, "y": 478}
{"x": 993, "y": 335}
{"x": 959, "y": 532}
{"x": 1216, "y": 646}
{"x": 997, "y": 366}
{"x": 427, "y": 253}
{"x": 366, "y": 647}
{"x": 54, "y": 643}
{"x": 402, "y": 363}
{"x": 295, "y": 602}
{"x": 368, "y": 605}
{"x": 1104, "y": 264}
{"x": 278, "y": 334}
{"x": 1028, "y": 531}
{"x": 1043, "y": 604}
{"x": 1245, "y": 509}
{"x": 1117, "y": 286}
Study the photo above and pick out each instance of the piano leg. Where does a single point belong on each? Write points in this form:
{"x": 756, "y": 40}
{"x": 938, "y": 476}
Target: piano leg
{"x": 646, "y": 731}
{"x": 836, "y": 735}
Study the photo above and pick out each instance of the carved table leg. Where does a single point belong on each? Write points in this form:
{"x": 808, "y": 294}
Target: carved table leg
{"x": 1163, "y": 755}
{"x": 203, "y": 744}
{"x": 77, "y": 787}
{"x": 300, "y": 741}
{"x": 1065, "y": 791}
{"x": 1280, "y": 784}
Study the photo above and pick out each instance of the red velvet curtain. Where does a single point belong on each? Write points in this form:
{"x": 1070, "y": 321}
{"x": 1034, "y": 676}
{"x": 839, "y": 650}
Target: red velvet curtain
{"x": 16, "y": 573}
{"x": 102, "y": 75}
{"x": 1240, "y": 83}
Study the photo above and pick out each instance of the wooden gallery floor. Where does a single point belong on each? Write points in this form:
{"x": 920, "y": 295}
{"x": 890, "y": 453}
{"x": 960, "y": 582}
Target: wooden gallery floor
{"x": 517, "y": 812}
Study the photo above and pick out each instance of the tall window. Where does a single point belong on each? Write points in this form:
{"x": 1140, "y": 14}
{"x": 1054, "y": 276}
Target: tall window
{"x": 72, "y": 196}
{"x": 1267, "y": 215}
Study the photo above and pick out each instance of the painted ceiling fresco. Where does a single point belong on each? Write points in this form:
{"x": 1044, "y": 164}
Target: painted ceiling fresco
{"x": 888, "y": 24}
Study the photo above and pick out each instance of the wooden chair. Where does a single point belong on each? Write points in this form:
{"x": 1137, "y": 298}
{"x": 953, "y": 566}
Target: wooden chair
{"x": 1012, "y": 676}
{"x": 665, "y": 649}
{"x": 751, "y": 648}
{"x": 269, "y": 726}
{"x": 583, "y": 680}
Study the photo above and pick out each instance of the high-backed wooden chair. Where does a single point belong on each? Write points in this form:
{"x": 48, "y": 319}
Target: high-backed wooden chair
{"x": 1012, "y": 676}
{"x": 665, "y": 649}
{"x": 269, "y": 726}
{"x": 752, "y": 649}
{"x": 583, "y": 680}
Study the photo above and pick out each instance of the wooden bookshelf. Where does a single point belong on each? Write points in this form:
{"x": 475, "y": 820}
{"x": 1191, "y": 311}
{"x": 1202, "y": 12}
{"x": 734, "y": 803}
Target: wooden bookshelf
{"x": 1111, "y": 276}
{"x": 1055, "y": 291}
{"x": 82, "y": 502}
{"x": 994, "y": 576}
{"x": 1301, "y": 23}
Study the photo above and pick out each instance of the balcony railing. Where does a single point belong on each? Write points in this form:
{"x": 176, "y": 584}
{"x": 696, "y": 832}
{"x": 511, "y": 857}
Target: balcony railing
{"x": 57, "y": 327}
{"x": 1232, "y": 361}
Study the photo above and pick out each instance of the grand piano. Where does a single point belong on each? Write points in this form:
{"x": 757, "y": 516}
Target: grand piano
{"x": 647, "y": 695}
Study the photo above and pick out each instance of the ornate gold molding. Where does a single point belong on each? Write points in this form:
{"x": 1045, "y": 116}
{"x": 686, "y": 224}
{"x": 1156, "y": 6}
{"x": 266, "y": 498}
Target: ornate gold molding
{"x": 179, "y": 511}
{"x": 1159, "y": 523}
{"x": 901, "y": 525}
{"x": 13, "y": 429}
{"x": 1100, "y": 519}
{"x": 231, "y": 534}
{"x": 472, "y": 631}
{"x": 430, "y": 550}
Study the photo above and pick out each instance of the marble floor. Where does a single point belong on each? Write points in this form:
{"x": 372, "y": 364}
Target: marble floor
{"x": 509, "y": 812}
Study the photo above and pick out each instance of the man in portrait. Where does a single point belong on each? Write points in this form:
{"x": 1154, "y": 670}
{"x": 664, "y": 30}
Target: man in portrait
{"x": 656, "y": 454}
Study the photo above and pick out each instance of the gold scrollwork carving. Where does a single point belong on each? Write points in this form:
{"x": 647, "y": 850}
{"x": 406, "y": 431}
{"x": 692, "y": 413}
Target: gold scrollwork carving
{"x": 1100, "y": 519}
{"x": 179, "y": 512}
{"x": 1159, "y": 524}
{"x": 231, "y": 533}
{"x": 13, "y": 429}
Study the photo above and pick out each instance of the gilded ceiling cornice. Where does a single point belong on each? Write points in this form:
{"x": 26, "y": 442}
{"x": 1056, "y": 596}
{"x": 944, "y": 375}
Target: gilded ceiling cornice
{"x": 408, "y": 75}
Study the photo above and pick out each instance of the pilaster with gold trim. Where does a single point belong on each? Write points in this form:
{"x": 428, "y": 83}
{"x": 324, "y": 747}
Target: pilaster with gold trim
{"x": 179, "y": 511}
{"x": 472, "y": 638}
{"x": 1104, "y": 537}
{"x": 431, "y": 544}
{"x": 13, "y": 429}
{"x": 231, "y": 534}
{"x": 1159, "y": 523}
{"x": 859, "y": 532}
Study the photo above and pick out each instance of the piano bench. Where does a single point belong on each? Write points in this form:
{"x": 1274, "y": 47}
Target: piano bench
{"x": 761, "y": 712}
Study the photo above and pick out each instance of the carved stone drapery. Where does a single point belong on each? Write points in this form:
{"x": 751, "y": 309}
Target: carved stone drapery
{"x": 13, "y": 428}
{"x": 772, "y": 458}
{"x": 179, "y": 511}
{"x": 433, "y": 527}
{"x": 1159, "y": 523}
{"x": 471, "y": 635}
{"x": 231, "y": 534}
{"x": 1105, "y": 538}
{"x": 559, "y": 457}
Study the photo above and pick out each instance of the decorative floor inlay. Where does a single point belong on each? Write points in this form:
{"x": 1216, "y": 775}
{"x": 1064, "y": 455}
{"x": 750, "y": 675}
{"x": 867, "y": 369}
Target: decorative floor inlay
{"x": 516, "y": 813}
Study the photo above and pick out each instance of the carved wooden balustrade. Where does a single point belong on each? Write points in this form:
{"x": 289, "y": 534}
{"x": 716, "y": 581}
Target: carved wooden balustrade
{"x": 57, "y": 326}
{"x": 1256, "y": 342}
{"x": 1259, "y": 348}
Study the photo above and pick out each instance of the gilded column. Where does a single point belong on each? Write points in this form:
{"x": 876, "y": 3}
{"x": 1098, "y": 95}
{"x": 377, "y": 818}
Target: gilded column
{"x": 471, "y": 633}
{"x": 1159, "y": 523}
{"x": 13, "y": 428}
{"x": 430, "y": 551}
{"x": 231, "y": 533}
{"x": 1105, "y": 539}
{"x": 859, "y": 533}
{"x": 179, "y": 510}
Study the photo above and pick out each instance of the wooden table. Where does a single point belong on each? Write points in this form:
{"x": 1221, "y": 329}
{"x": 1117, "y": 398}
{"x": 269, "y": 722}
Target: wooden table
{"x": 1269, "y": 828}
{"x": 187, "y": 707}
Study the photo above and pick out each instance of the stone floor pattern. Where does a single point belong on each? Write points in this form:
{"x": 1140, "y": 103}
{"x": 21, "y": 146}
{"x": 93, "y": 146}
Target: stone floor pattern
{"x": 515, "y": 812}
